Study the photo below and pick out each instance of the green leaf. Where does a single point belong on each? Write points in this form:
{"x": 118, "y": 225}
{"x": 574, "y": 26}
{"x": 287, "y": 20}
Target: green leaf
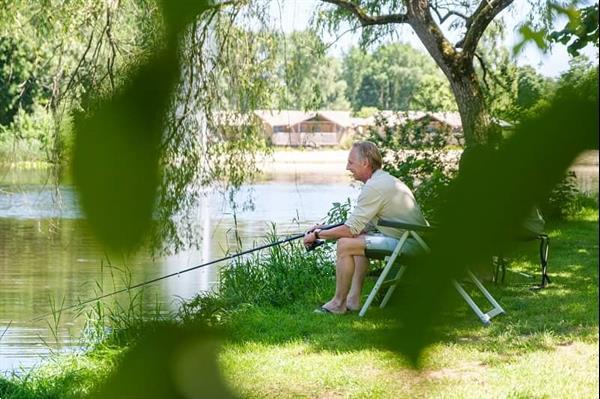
{"x": 116, "y": 151}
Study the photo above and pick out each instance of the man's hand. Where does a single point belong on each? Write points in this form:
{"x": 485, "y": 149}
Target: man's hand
{"x": 310, "y": 238}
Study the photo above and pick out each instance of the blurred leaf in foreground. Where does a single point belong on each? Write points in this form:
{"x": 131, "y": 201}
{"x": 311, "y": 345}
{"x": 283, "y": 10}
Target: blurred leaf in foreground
{"x": 116, "y": 154}
{"x": 485, "y": 204}
{"x": 170, "y": 362}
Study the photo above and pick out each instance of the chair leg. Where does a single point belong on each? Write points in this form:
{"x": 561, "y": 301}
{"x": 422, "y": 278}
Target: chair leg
{"x": 484, "y": 317}
{"x": 390, "y": 290}
{"x": 498, "y": 265}
{"x": 383, "y": 275}
{"x": 544, "y": 248}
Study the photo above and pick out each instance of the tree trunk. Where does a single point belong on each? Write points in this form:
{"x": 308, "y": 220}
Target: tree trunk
{"x": 458, "y": 68}
{"x": 477, "y": 124}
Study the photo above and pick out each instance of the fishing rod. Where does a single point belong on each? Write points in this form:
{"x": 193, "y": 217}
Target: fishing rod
{"x": 311, "y": 247}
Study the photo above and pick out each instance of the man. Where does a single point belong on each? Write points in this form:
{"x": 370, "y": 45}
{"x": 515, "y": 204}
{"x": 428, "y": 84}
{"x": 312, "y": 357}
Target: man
{"x": 382, "y": 197}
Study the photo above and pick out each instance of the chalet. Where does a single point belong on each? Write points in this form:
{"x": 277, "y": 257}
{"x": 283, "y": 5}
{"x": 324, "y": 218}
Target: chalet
{"x": 331, "y": 128}
{"x": 309, "y": 129}
{"x": 436, "y": 121}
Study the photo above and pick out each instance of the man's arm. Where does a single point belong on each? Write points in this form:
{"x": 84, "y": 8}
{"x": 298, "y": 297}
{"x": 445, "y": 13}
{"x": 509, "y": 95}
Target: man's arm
{"x": 335, "y": 233}
{"x": 329, "y": 234}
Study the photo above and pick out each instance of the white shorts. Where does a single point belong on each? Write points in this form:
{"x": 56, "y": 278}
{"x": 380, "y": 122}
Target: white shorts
{"x": 378, "y": 246}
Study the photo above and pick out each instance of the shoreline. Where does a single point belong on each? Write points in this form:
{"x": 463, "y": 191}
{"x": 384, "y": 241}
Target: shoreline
{"x": 308, "y": 160}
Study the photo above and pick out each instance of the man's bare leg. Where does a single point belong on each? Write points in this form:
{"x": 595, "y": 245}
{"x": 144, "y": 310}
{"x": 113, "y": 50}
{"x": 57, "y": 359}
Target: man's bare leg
{"x": 347, "y": 249}
{"x": 361, "y": 265}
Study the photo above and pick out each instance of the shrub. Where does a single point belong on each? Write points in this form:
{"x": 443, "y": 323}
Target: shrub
{"x": 278, "y": 276}
{"x": 564, "y": 200}
{"x": 28, "y": 137}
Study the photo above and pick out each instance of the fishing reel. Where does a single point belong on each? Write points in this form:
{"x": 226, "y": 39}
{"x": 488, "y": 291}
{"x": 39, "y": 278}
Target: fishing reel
{"x": 318, "y": 242}
{"x": 314, "y": 245}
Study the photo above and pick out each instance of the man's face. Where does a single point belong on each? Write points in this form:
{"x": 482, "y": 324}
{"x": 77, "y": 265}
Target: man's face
{"x": 358, "y": 166}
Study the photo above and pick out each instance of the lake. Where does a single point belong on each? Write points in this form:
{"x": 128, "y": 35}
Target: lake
{"x": 48, "y": 259}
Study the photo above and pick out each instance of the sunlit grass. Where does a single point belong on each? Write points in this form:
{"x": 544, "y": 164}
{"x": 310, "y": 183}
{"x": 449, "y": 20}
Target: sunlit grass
{"x": 546, "y": 345}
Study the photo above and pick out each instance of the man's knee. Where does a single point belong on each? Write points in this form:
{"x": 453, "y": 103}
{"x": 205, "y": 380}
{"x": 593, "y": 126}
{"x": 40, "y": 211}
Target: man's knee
{"x": 350, "y": 246}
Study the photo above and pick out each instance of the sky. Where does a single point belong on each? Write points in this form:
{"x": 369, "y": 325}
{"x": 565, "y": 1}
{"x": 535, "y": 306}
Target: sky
{"x": 291, "y": 15}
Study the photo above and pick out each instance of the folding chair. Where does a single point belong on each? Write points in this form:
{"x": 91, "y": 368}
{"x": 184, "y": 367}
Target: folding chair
{"x": 393, "y": 259}
{"x": 500, "y": 266}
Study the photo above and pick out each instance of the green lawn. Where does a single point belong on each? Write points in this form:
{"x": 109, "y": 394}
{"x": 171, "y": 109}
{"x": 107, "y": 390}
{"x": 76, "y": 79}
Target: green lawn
{"x": 546, "y": 345}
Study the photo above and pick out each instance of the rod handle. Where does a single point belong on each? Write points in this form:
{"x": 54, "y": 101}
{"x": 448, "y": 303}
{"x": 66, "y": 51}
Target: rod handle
{"x": 314, "y": 245}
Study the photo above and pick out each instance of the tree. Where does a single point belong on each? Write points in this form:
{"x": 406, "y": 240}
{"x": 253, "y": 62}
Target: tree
{"x": 455, "y": 60}
{"x": 389, "y": 77}
{"x": 310, "y": 79}
{"x": 509, "y": 90}
{"x": 20, "y": 88}
{"x": 531, "y": 87}
{"x": 84, "y": 52}
{"x": 433, "y": 94}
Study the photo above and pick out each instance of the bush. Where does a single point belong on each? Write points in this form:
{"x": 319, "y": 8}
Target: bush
{"x": 278, "y": 276}
{"x": 28, "y": 137}
{"x": 565, "y": 199}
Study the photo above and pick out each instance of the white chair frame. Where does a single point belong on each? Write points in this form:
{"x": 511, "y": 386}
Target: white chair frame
{"x": 410, "y": 230}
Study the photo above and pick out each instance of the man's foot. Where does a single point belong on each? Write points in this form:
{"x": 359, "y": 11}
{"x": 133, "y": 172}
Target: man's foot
{"x": 324, "y": 310}
{"x": 352, "y": 306}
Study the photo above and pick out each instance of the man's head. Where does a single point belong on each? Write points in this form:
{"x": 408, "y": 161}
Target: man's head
{"x": 364, "y": 159}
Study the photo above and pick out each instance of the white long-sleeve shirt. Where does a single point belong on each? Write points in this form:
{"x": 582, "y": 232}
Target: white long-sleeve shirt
{"x": 384, "y": 197}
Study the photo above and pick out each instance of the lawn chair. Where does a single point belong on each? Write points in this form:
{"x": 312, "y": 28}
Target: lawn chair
{"x": 395, "y": 259}
{"x": 500, "y": 264}
{"x": 531, "y": 229}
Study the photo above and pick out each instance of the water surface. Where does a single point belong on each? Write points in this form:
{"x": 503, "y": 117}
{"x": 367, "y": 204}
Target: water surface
{"x": 49, "y": 260}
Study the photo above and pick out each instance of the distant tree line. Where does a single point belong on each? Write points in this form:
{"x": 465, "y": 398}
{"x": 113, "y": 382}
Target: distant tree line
{"x": 394, "y": 76}
{"x": 42, "y": 66}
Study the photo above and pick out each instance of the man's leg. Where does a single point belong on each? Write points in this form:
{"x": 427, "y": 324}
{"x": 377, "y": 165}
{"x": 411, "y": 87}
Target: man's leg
{"x": 347, "y": 249}
{"x": 361, "y": 265}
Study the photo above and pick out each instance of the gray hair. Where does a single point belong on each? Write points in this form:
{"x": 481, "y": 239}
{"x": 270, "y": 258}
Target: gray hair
{"x": 370, "y": 152}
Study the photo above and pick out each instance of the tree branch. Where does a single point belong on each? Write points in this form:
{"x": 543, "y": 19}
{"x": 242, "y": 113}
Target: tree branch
{"x": 484, "y": 70}
{"x": 449, "y": 13}
{"x": 479, "y": 21}
{"x": 364, "y": 18}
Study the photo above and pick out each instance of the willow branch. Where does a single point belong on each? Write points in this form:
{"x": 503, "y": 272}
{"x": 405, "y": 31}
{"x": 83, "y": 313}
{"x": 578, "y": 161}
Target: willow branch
{"x": 366, "y": 19}
{"x": 483, "y": 69}
{"x": 449, "y": 13}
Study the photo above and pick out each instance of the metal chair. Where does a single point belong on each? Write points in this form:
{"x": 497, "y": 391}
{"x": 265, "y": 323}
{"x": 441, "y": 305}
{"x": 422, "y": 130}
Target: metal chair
{"x": 500, "y": 265}
{"x": 395, "y": 258}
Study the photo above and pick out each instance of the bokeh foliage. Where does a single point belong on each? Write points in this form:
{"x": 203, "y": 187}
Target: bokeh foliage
{"x": 487, "y": 200}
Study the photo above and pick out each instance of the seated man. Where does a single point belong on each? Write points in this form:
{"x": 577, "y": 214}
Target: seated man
{"x": 382, "y": 197}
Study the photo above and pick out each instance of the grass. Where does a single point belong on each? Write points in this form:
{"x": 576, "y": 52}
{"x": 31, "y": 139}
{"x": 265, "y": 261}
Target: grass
{"x": 546, "y": 345}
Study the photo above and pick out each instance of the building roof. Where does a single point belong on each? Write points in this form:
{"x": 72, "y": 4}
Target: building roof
{"x": 292, "y": 117}
{"x": 341, "y": 118}
{"x": 283, "y": 117}
{"x": 451, "y": 119}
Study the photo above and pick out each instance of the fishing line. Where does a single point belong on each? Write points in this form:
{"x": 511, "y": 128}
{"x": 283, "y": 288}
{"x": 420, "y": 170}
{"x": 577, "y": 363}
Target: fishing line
{"x": 212, "y": 262}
